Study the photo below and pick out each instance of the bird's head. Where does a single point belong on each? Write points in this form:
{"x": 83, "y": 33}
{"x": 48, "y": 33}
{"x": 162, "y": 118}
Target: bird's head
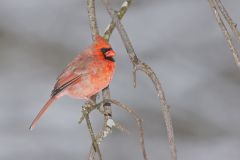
{"x": 104, "y": 48}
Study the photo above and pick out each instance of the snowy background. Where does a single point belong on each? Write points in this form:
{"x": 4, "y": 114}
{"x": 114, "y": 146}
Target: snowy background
{"x": 179, "y": 39}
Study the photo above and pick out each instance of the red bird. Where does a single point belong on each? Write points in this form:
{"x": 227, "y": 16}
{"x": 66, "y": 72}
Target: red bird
{"x": 87, "y": 74}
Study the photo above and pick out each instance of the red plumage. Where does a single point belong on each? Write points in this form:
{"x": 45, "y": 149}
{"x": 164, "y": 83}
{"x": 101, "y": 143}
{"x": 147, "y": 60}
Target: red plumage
{"x": 87, "y": 74}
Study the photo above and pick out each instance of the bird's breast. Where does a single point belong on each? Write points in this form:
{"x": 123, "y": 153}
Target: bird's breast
{"x": 103, "y": 75}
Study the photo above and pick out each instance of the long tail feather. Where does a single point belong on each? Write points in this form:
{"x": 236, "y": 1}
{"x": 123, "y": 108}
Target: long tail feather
{"x": 42, "y": 111}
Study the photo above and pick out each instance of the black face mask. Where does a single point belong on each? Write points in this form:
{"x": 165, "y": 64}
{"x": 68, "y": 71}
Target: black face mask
{"x": 104, "y": 51}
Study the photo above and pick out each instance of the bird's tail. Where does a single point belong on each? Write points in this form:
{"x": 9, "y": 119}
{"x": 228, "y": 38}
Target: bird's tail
{"x": 42, "y": 111}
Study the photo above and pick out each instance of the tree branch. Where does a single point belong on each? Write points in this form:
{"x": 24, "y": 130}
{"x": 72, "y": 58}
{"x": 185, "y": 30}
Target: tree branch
{"x": 95, "y": 145}
{"x": 94, "y": 31}
{"x": 92, "y": 152}
{"x": 138, "y": 65}
{"x": 228, "y": 18}
{"x": 219, "y": 9}
{"x": 106, "y": 92}
{"x": 131, "y": 112}
{"x": 138, "y": 120}
{"x": 109, "y": 29}
{"x": 92, "y": 18}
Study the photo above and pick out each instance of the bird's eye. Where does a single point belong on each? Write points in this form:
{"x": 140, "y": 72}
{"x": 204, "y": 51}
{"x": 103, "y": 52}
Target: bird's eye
{"x": 105, "y": 50}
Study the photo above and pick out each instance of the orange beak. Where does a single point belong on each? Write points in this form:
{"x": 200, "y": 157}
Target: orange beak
{"x": 110, "y": 53}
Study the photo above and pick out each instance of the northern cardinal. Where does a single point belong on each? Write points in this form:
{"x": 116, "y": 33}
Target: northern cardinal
{"x": 87, "y": 74}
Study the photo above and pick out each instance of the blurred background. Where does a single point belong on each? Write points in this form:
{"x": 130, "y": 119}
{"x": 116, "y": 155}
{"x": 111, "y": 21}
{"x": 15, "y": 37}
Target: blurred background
{"x": 179, "y": 39}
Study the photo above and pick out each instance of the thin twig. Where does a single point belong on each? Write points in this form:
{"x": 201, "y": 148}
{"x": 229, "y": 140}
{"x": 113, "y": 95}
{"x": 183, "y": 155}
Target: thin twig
{"x": 92, "y": 154}
{"x": 121, "y": 128}
{"x": 138, "y": 65}
{"x": 228, "y": 18}
{"x": 217, "y": 11}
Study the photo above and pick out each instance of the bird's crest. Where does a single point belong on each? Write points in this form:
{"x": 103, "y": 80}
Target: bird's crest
{"x": 100, "y": 42}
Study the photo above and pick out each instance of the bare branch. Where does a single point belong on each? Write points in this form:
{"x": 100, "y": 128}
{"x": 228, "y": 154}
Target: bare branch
{"x": 138, "y": 120}
{"x": 134, "y": 115}
{"x": 107, "y": 114}
{"x": 90, "y": 129}
{"x": 94, "y": 31}
{"x": 92, "y": 18}
{"x": 87, "y": 110}
{"x": 109, "y": 29}
{"x": 228, "y": 18}
{"x": 144, "y": 67}
{"x": 121, "y": 128}
{"x": 218, "y": 9}
{"x": 106, "y": 92}
{"x": 92, "y": 154}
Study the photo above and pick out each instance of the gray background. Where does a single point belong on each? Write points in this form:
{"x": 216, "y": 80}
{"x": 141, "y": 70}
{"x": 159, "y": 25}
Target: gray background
{"x": 179, "y": 39}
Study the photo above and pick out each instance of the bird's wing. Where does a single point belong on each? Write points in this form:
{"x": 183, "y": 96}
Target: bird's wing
{"x": 60, "y": 87}
{"x": 72, "y": 74}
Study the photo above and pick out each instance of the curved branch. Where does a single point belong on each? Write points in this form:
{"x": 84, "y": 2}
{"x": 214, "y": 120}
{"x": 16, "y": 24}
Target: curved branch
{"x": 138, "y": 120}
{"x": 138, "y": 65}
